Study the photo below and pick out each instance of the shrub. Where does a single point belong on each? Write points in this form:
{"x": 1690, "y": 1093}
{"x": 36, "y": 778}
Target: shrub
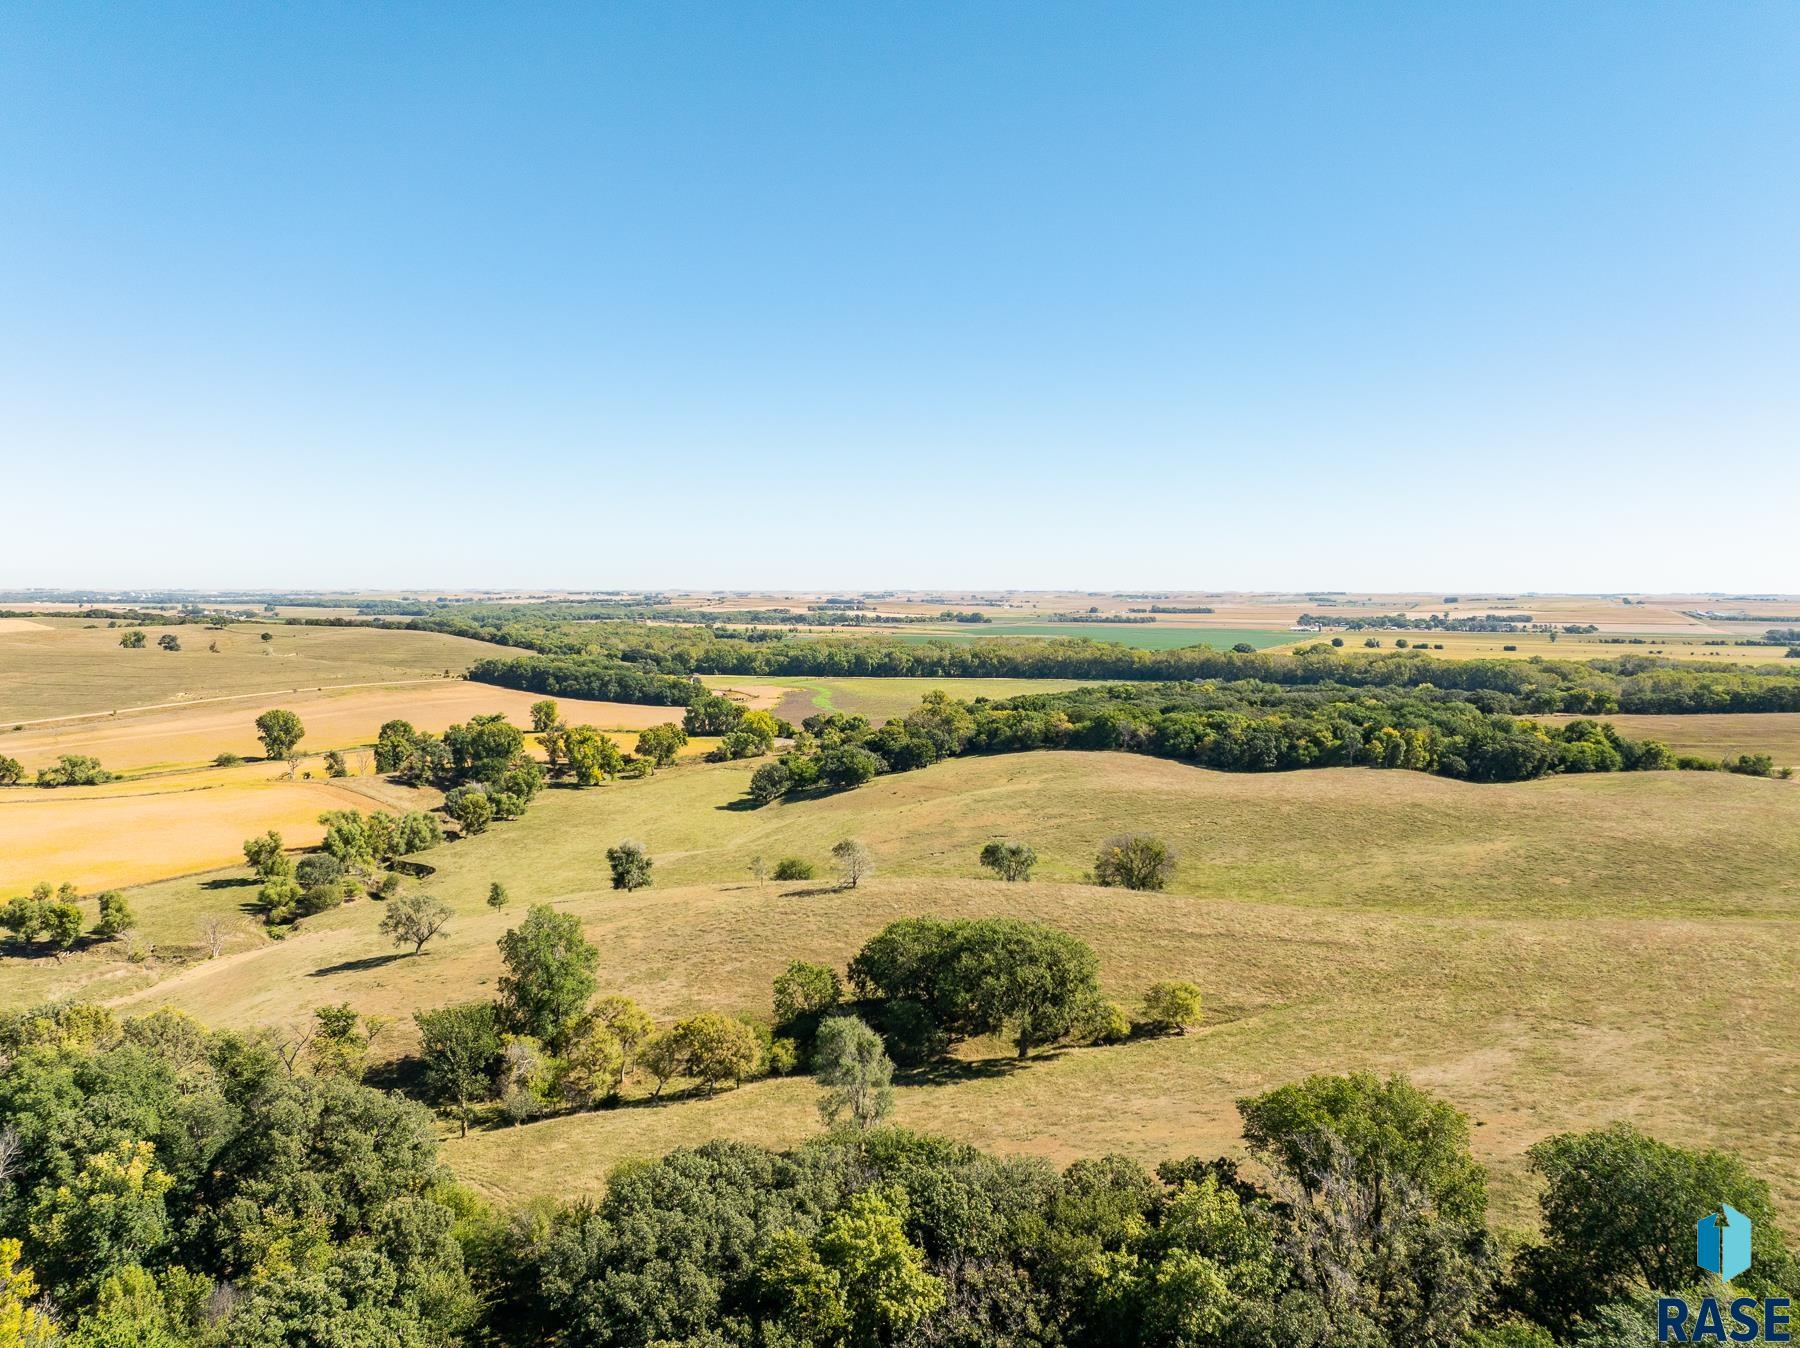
{"x": 1172, "y": 1005}
{"x": 318, "y": 868}
{"x": 1134, "y": 861}
{"x": 1009, "y": 860}
{"x": 793, "y": 868}
{"x": 228, "y": 760}
{"x": 630, "y": 864}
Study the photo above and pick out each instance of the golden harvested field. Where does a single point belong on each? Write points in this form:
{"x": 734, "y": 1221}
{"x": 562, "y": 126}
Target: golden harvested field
{"x": 1717, "y": 736}
{"x": 125, "y": 833}
{"x": 1492, "y": 646}
{"x": 67, "y": 667}
{"x": 1529, "y": 950}
{"x": 186, "y": 736}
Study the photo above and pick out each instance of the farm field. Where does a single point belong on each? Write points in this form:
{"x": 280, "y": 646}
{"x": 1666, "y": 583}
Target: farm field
{"x": 1527, "y": 645}
{"x": 1145, "y": 636}
{"x": 878, "y": 699}
{"x": 124, "y": 833}
{"x": 1526, "y": 950}
{"x": 176, "y": 737}
{"x": 1774, "y": 733}
{"x": 64, "y": 667}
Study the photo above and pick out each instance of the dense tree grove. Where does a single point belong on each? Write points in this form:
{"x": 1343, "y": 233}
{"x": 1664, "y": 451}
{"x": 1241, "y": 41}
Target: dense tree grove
{"x": 638, "y": 662}
{"x": 1232, "y": 728}
{"x": 170, "y": 1187}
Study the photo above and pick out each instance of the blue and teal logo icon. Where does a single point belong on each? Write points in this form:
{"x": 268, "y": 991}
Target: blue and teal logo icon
{"x": 1722, "y": 1248}
{"x": 1722, "y": 1242}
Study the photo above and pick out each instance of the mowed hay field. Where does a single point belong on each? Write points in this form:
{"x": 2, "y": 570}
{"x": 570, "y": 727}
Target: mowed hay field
{"x": 124, "y": 833}
{"x": 186, "y": 736}
{"x": 67, "y": 666}
{"x": 1547, "y": 955}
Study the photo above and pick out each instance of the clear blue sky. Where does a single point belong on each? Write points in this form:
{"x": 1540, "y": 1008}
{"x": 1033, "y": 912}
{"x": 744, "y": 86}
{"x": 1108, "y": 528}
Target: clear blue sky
{"x": 837, "y": 294}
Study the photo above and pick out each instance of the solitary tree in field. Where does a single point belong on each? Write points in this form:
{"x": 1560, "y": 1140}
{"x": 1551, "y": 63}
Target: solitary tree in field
{"x": 413, "y": 919}
{"x": 497, "y": 897}
{"x": 169, "y": 641}
{"x": 214, "y": 931}
{"x": 268, "y": 636}
{"x": 854, "y": 860}
{"x": 630, "y": 863}
{"x": 132, "y": 640}
{"x": 1172, "y": 1005}
{"x": 1009, "y": 860}
{"x": 759, "y": 869}
{"x": 851, "y": 1063}
{"x": 279, "y": 730}
{"x": 1134, "y": 861}
{"x": 12, "y": 772}
{"x": 335, "y": 766}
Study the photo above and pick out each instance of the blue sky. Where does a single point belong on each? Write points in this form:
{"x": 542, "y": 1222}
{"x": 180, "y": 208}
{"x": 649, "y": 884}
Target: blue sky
{"x": 834, "y": 294}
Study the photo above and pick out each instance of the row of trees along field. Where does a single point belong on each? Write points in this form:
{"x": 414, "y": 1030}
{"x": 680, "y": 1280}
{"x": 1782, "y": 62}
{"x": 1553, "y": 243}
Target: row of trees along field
{"x": 1229, "y": 728}
{"x": 650, "y": 663}
{"x": 166, "y": 1186}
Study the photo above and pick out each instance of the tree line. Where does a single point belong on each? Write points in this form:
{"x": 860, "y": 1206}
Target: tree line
{"x": 168, "y": 1186}
{"x": 1231, "y": 728}
{"x": 573, "y": 659}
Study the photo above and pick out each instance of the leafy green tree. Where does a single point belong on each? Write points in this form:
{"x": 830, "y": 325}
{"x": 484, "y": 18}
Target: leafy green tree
{"x": 335, "y": 766}
{"x": 22, "y": 1323}
{"x": 885, "y": 1284}
{"x": 414, "y": 919}
{"x": 394, "y": 743}
{"x": 630, "y": 864}
{"x": 983, "y": 976}
{"x": 12, "y": 772}
{"x": 280, "y": 731}
{"x": 109, "y": 1216}
{"x": 805, "y": 989}
{"x": 1172, "y": 1005}
{"x": 549, "y": 975}
{"x": 497, "y": 897}
{"x": 712, "y": 715}
{"x": 133, "y": 640}
{"x": 471, "y": 808}
{"x": 484, "y": 749}
{"x": 592, "y": 757}
{"x": 264, "y": 855}
{"x": 116, "y": 917}
{"x": 1618, "y": 1218}
{"x": 1009, "y": 860}
{"x": 662, "y": 1058}
{"x": 770, "y": 781}
{"x": 661, "y": 743}
{"x": 794, "y": 868}
{"x": 854, "y": 860}
{"x": 850, "y": 1061}
{"x": 23, "y": 917}
{"x": 1134, "y": 861}
{"x": 848, "y": 766}
{"x": 74, "y": 770}
{"x": 416, "y": 831}
{"x": 543, "y": 716}
{"x": 279, "y": 898}
{"x": 62, "y": 923}
{"x": 459, "y": 1046}
{"x": 591, "y": 1065}
{"x": 716, "y": 1048}
{"x": 168, "y": 641}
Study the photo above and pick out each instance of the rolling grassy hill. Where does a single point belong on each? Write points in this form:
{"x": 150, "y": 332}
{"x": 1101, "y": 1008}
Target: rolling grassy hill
{"x": 1548, "y": 955}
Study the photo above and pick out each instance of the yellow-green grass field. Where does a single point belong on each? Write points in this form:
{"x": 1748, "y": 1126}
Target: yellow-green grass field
{"x": 1548, "y": 955}
{"x": 53, "y": 667}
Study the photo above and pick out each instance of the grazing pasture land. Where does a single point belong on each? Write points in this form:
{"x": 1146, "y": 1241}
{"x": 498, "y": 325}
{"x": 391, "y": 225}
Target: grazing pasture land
{"x": 1529, "y": 951}
{"x": 1718, "y": 736}
{"x": 1147, "y": 636}
{"x": 69, "y": 667}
